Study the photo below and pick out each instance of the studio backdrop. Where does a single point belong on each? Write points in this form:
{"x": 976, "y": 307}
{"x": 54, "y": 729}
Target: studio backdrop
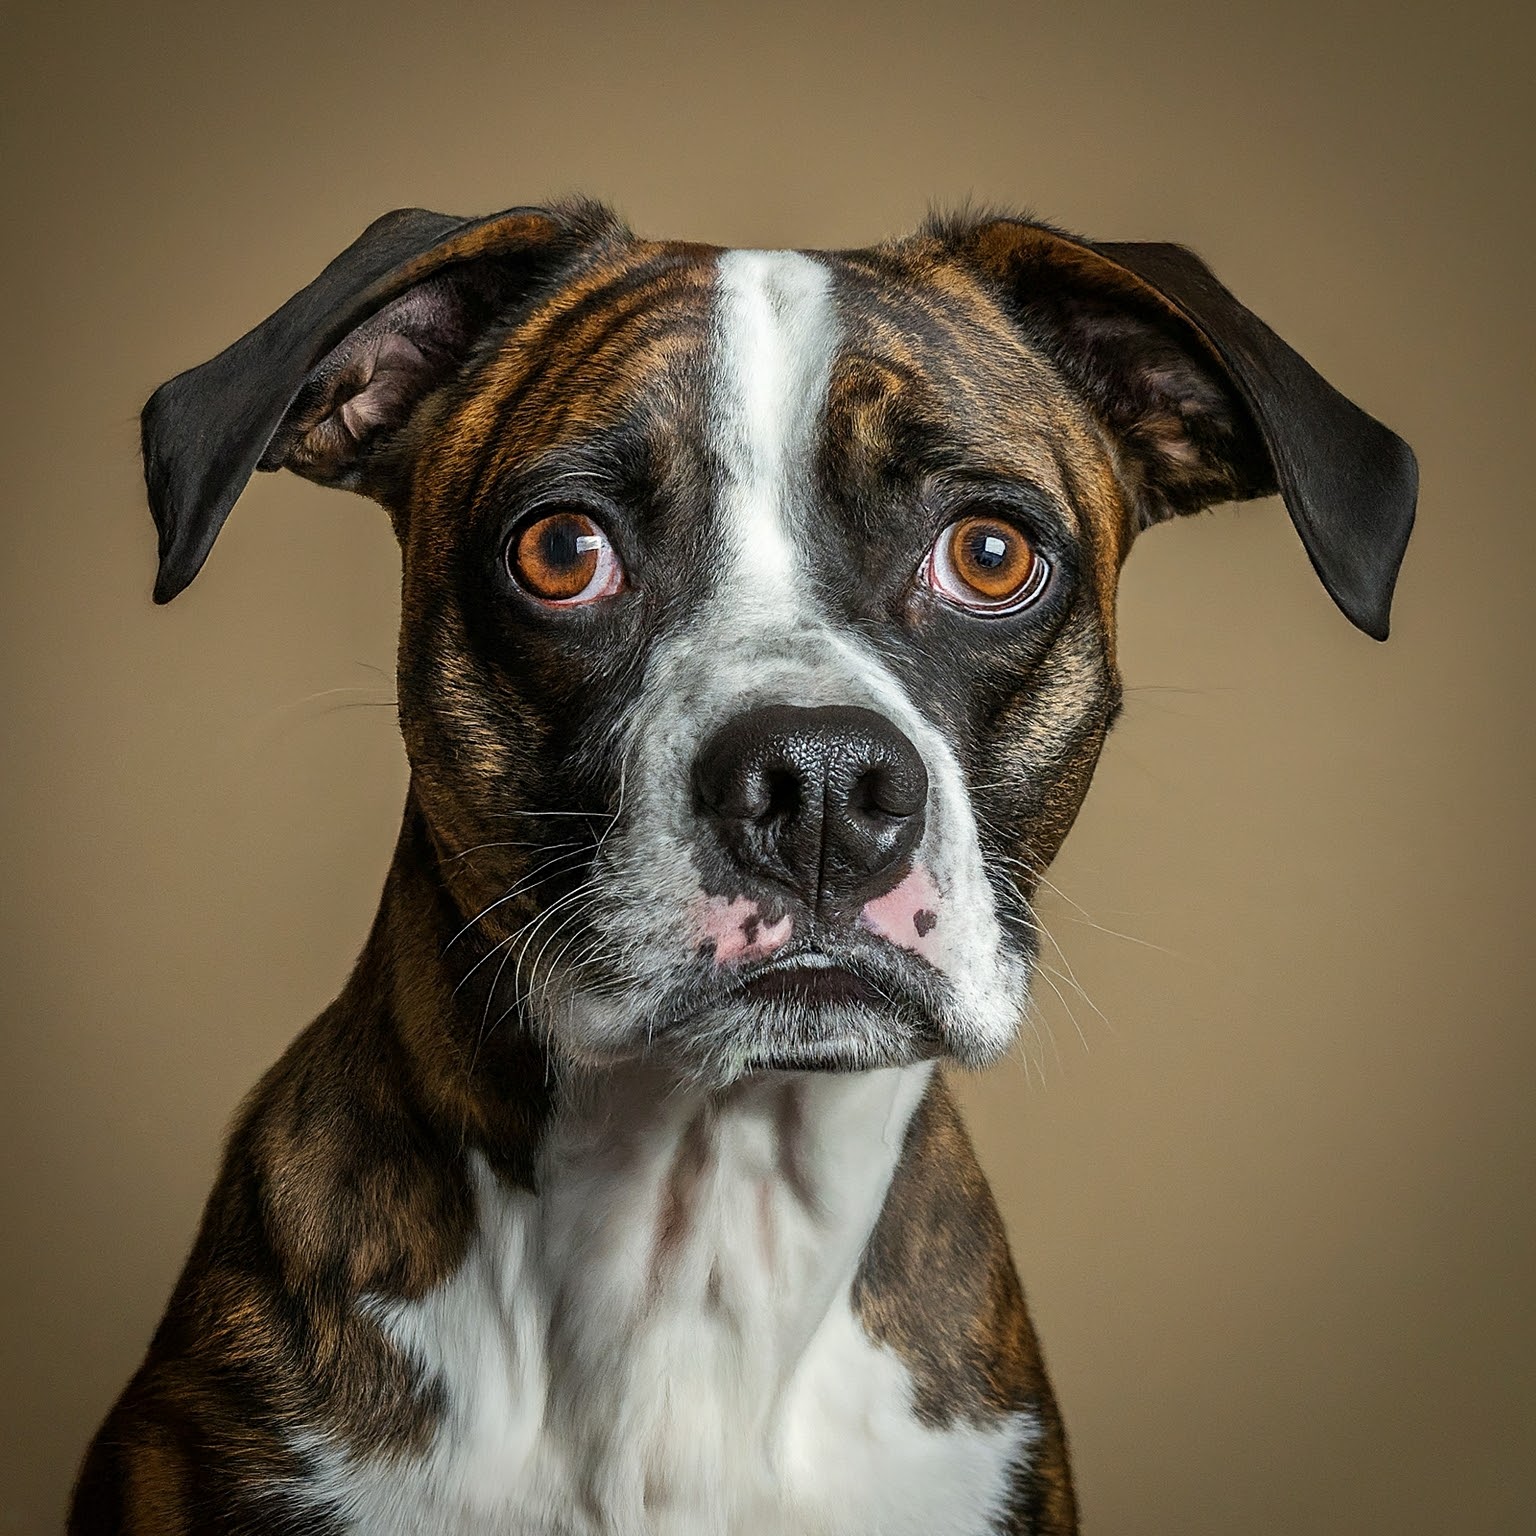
{"x": 1266, "y": 1150}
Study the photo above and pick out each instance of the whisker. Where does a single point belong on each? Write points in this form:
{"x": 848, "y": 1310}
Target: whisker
{"x": 509, "y": 944}
{"x": 479, "y": 847}
{"x": 1084, "y": 916}
{"x": 1045, "y": 973}
{"x": 538, "y": 873}
{"x": 537, "y": 815}
{"x": 526, "y": 932}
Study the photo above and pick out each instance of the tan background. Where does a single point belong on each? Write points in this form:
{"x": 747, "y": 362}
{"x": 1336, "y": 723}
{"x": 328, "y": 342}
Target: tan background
{"x": 1274, "y": 1208}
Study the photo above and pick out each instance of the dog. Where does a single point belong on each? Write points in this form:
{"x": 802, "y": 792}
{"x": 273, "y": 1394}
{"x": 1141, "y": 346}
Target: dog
{"x": 757, "y": 646}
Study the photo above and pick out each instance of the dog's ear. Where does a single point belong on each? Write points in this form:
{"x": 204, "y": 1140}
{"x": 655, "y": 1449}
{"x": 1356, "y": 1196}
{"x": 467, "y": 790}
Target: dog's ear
{"x": 324, "y": 385}
{"x": 1205, "y": 402}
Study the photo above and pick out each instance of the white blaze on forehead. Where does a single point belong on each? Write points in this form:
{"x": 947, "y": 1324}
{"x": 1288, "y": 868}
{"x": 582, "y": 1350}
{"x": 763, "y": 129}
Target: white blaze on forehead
{"x": 776, "y": 336}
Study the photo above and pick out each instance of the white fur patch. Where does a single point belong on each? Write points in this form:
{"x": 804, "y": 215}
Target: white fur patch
{"x": 776, "y": 338}
{"x": 661, "y": 1342}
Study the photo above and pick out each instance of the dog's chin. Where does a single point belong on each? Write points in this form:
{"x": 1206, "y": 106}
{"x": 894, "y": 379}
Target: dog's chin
{"x": 829, "y": 1028}
{"x": 807, "y": 1012}
{"x": 835, "y": 1007}
{"x": 800, "y": 1014}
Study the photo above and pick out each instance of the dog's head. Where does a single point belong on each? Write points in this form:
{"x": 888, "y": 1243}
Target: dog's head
{"x": 758, "y": 637}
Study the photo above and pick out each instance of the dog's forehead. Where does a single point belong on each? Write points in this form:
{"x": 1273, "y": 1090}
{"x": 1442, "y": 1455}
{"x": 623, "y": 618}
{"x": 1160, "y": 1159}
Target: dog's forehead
{"x": 927, "y": 351}
{"x": 908, "y": 348}
{"x": 623, "y": 340}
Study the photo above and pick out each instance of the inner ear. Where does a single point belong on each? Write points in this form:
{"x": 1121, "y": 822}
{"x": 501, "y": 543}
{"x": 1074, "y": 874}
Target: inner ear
{"x": 1184, "y": 436}
{"x": 355, "y": 402}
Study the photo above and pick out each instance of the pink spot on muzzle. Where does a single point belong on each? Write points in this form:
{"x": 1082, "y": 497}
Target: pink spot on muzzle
{"x": 908, "y": 914}
{"x": 737, "y": 929}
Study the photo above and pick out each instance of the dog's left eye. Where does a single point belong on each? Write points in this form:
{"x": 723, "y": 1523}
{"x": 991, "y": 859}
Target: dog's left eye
{"x": 985, "y": 564}
{"x": 565, "y": 558}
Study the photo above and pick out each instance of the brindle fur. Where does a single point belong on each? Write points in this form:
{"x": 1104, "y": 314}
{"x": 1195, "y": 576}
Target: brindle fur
{"x": 974, "y": 355}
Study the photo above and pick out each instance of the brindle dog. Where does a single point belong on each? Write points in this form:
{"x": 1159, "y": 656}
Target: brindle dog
{"x": 757, "y": 646}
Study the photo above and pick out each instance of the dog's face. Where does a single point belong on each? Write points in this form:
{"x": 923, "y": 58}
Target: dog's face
{"x": 758, "y": 630}
{"x": 758, "y": 620}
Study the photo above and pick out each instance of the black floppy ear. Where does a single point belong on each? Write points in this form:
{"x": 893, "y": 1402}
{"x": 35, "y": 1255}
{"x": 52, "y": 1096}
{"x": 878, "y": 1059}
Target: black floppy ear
{"x": 1207, "y": 404}
{"x": 323, "y": 385}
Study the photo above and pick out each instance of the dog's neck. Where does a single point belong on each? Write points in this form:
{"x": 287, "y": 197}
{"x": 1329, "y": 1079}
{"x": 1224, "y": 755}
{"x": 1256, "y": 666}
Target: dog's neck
{"x": 642, "y": 1192}
{"x": 695, "y": 1229}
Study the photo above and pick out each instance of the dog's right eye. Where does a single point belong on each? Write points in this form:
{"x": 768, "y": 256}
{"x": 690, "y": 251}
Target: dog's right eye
{"x": 986, "y": 565}
{"x": 564, "y": 558}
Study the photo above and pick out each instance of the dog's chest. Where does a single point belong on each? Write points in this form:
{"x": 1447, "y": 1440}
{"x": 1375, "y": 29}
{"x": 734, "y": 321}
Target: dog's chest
{"x": 662, "y": 1343}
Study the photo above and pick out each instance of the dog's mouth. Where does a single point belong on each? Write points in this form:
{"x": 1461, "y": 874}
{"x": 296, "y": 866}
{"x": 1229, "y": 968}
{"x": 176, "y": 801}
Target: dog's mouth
{"x": 815, "y": 1009}
{"x": 826, "y": 996}
{"x": 812, "y": 979}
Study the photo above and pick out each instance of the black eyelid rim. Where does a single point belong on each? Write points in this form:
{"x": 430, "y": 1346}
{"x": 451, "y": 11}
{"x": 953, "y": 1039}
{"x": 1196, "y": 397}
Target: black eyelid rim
{"x": 553, "y": 507}
{"x": 1029, "y": 507}
{"x": 603, "y": 511}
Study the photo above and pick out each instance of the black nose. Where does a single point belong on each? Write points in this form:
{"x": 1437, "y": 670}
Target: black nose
{"x": 827, "y": 802}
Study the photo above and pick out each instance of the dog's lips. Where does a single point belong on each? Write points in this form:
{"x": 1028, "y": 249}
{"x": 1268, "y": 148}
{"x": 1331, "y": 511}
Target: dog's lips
{"x": 809, "y": 978}
{"x": 829, "y": 1003}
{"x": 832, "y": 996}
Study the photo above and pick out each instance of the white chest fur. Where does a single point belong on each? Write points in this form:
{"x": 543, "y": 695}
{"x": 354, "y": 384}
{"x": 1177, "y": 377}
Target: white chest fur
{"x": 661, "y": 1341}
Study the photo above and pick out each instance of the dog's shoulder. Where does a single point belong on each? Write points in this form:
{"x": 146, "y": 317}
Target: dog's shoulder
{"x": 333, "y": 1186}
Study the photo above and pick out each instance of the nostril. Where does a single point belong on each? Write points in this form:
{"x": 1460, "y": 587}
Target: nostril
{"x": 783, "y": 794}
{"x": 752, "y": 786}
{"x": 889, "y": 792}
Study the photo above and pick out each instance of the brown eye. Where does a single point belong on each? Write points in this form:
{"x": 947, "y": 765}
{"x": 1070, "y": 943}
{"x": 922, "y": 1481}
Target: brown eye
{"x": 987, "y": 565}
{"x": 565, "y": 558}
